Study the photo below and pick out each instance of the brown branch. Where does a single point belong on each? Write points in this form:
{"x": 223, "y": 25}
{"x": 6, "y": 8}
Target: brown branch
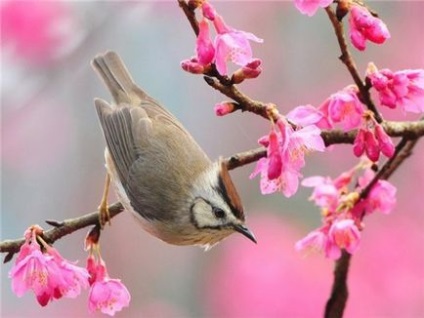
{"x": 339, "y": 293}
{"x": 403, "y": 151}
{"x": 244, "y": 102}
{"x": 347, "y": 60}
{"x": 64, "y": 228}
{"x": 190, "y": 15}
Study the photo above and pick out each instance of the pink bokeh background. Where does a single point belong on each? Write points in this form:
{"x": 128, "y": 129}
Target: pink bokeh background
{"x": 53, "y": 168}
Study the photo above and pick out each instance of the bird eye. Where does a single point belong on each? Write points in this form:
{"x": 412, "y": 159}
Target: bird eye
{"x": 219, "y": 213}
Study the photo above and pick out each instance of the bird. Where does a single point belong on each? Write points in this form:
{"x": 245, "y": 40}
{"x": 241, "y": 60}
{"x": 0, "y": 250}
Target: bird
{"x": 160, "y": 174}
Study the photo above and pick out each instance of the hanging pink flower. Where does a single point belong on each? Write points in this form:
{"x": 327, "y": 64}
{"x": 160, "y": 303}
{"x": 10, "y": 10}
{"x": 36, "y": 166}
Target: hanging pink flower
{"x": 107, "y": 295}
{"x": 382, "y": 196}
{"x": 204, "y": 47}
{"x": 372, "y": 142}
{"x": 280, "y": 170}
{"x": 47, "y": 274}
{"x": 364, "y": 26}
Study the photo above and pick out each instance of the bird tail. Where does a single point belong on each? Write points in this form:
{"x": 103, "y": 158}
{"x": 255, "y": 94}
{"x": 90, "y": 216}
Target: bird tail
{"x": 113, "y": 72}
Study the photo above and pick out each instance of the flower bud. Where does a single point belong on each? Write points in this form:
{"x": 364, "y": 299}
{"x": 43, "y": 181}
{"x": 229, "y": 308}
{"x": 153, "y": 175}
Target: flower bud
{"x": 224, "y": 108}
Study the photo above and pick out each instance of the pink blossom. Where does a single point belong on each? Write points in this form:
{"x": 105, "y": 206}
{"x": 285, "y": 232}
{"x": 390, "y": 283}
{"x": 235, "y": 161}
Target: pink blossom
{"x": 287, "y": 182}
{"x": 382, "y": 197}
{"x": 280, "y": 170}
{"x": 224, "y": 108}
{"x": 106, "y": 294}
{"x": 204, "y": 47}
{"x": 325, "y": 193}
{"x": 31, "y": 272}
{"x": 310, "y": 7}
{"x": 344, "y": 107}
{"x": 232, "y": 45}
{"x": 403, "y": 88}
{"x": 306, "y": 115}
{"x": 315, "y": 241}
{"x": 364, "y": 26}
{"x": 303, "y": 141}
{"x": 344, "y": 234}
{"x": 73, "y": 278}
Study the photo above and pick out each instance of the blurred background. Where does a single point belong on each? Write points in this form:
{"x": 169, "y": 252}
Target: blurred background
{"x": 52, "y": 164}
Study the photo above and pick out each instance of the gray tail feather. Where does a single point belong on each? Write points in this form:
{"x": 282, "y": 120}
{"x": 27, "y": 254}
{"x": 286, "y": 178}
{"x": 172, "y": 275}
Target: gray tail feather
{"x": 115, "y": 75}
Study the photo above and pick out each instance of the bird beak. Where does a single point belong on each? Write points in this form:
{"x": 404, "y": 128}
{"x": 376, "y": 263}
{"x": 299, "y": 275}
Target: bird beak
{"x": 245, "y": 231}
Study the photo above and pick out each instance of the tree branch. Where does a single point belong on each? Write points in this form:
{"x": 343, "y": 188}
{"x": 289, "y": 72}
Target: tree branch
{"x": 339, "y": 292}
{"x": 62, "y": 228}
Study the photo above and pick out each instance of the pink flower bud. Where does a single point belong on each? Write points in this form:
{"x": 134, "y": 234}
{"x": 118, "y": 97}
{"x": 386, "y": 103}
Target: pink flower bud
{"x": 274, "y": 154}
{"x": 192, "y": 66}
{"x": 359, "y": 143}
{"x": 371, "y": 146}
{"x": 250, "y": 70}
{"x": 385, "y": 142}
{"x": 204, "y": 47}
{"x": 208, "y": 11}
{"x": 264, "y": 141}
{"x": 224, "y": 108}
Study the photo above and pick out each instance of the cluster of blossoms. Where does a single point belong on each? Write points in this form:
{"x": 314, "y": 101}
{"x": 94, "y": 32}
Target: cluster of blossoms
{"x": 286, "y": 148}
{"x": 49, "y": 276}
{"x": 363, "y": 24}
{"x": 287, "y": 143}
{"x": 229, "y": 44}
{"x": 343, "y": 210}
{"x": 404, "y": 89}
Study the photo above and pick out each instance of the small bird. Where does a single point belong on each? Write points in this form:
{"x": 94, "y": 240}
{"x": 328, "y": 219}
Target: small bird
{"x": 160, "y": 173}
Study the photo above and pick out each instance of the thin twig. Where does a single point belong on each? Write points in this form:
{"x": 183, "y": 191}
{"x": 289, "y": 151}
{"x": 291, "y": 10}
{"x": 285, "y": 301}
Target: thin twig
{"x": 191, "y": 17}
{"x": 347, "y": 60}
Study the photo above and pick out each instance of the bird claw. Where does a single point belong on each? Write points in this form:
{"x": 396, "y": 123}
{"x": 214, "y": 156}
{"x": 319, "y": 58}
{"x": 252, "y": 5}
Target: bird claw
{"x": 104, "y": 215}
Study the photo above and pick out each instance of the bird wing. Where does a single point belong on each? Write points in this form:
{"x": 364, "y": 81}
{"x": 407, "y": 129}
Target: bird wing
{"x": 152, "y": 153}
